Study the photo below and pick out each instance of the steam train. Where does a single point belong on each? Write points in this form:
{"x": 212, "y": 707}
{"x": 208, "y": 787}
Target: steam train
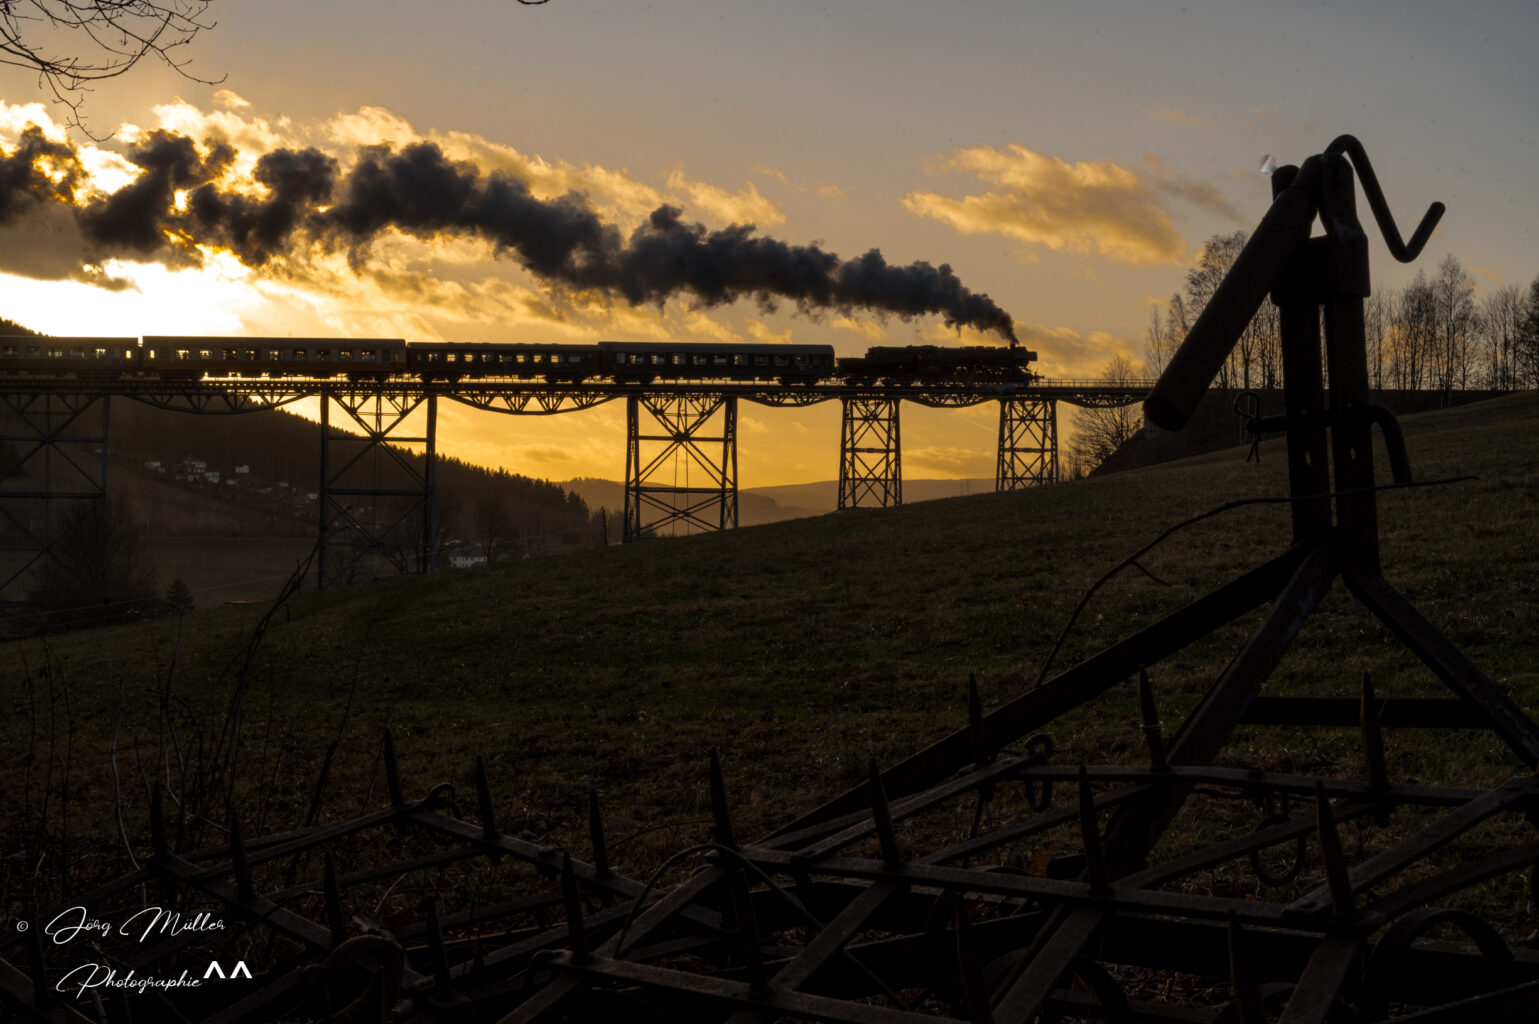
{"x": 625, "y": 362}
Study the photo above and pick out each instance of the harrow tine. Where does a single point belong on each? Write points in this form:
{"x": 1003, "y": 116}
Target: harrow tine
{"x": 489, "y": 830}
{"x": 1248, "y": 1006}
{"x": 719, "y": 803}
{"x": 596, "y": 836}
{"x": 1373, "y": 738}
{"x": 242, "y": 870}
{"x": 882, "y": 818}
{"x": 1154, "y": 729}
{"x": 1336, "y": 875}
{"x": 1090, "y": 835}
{"x": 577, "y": 933}
{"x": 438, "y": 956}
{"x": 975, "y": 727}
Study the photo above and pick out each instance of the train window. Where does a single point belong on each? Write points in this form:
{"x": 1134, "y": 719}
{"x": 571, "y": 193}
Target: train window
{"x": 100, "y": 353}
{"x": 274, "y": 354}
{"x": 346, "y": 354}
{"x": 205, "y": 353}
{"x": 780, "y": 360}
{"x": 719, "y": 359}
{"x": 739, "y": 359}
{"x": 452, "y": 357}
{"x": 678, "y": 359}
{"x": 538, "y": 357}
{"x": 182, "y": 353}
{"x": 519, "y": 358}
{"x": 801, "y": 360}
{"x": 697, "y": 360}
{"x": 761, "y": 360}
{"x": 228, "y": 353}
{"x": 77, "y": 353}
{"x": 9, "y": 352}
{"x": 251, "y": 354}
{"x": 300, "y": 355}
{"x": 659, "y": 359}
{"x": 367, "y": 355}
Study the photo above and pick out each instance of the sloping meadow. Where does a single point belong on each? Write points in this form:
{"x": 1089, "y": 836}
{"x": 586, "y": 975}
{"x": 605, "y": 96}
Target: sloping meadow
{"x": 800, "y": 650}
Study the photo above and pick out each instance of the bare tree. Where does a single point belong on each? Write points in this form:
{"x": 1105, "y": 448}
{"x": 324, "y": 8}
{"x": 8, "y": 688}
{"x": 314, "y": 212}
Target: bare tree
{"x": 1527, "y": 345}
{"x": 1499, "y": 325}
{"x": 1256, "y": 360}
{"x": 1099, "y": 432}
{"x": 1378, "y": 321}
{"x": 1453, "y": 291}
{"x": 1413, "y": 334}
{"x": 74, "y": 43}
{"x": 1165, "y": 333}
{"x": 493, "y": 527}
{"x": 98, "y": 573}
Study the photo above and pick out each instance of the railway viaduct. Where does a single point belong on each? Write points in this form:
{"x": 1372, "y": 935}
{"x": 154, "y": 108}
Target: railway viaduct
{"x": 58, "y": 431}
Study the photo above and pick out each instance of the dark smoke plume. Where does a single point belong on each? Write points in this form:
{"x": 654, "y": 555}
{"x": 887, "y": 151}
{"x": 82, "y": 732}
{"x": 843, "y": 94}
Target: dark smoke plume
{"x": 420, "y": 192}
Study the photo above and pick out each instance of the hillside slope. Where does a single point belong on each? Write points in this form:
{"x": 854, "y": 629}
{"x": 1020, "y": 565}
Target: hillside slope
{"x": 800, "y": 649}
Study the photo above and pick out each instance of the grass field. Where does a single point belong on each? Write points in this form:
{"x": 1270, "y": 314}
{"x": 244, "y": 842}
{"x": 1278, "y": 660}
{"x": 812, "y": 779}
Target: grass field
{"x": 799, "y": 649}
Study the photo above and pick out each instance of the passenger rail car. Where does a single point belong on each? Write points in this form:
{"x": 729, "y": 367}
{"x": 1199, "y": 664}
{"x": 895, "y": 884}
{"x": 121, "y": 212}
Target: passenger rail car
{"x": 33, "y": 356}
{"x": 310, "y": 358}
{"x": 433, "y": 360}
{"x": 641, "y": 362}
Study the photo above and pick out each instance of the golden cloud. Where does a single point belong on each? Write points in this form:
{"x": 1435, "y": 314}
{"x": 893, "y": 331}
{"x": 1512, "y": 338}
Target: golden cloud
{"x": 865, "y": 328}
{"x": 1094, "y": 207}
{"x": 763, "y": 333}
{"x": 746, "y": 206}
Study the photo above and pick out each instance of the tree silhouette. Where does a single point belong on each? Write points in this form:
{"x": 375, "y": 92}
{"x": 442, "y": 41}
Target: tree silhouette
{"x": 1099, "y": 432}
{"x": 100, "y": 39}
{"x": 98, "y": 573}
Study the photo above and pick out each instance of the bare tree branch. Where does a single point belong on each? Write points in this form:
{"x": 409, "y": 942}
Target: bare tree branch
{"x": 74, "y": 43}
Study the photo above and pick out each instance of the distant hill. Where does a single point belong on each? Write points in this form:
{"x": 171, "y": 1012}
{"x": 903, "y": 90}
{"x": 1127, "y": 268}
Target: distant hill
{"x": 759, "y": 505}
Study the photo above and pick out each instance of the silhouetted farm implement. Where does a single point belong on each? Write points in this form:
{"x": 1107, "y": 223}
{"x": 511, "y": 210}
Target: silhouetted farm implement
{"x": 840, "y": 916}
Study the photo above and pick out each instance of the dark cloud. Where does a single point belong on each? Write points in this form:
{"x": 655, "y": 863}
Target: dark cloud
{"x": 420, "y": 192}
{"x": 38, "y": 172}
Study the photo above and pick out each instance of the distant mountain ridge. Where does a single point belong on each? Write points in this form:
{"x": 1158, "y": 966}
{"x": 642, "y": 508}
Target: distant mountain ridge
{"x": 759, "y": 505}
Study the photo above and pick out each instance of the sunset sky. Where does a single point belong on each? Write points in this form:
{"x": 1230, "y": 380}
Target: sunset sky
{"x": 1067, "y": 162}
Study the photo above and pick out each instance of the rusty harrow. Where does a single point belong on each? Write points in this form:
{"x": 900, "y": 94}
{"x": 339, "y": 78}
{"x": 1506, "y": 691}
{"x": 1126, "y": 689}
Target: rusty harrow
{"x": 1062, "y": 893}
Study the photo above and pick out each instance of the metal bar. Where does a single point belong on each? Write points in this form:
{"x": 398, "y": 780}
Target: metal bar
{"x": 1345, "y": 712}
{"x": 1332, "y": 966}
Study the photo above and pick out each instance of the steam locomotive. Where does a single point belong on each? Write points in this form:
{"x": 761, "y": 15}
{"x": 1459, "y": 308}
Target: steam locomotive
{"x": 625, "y": 362}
